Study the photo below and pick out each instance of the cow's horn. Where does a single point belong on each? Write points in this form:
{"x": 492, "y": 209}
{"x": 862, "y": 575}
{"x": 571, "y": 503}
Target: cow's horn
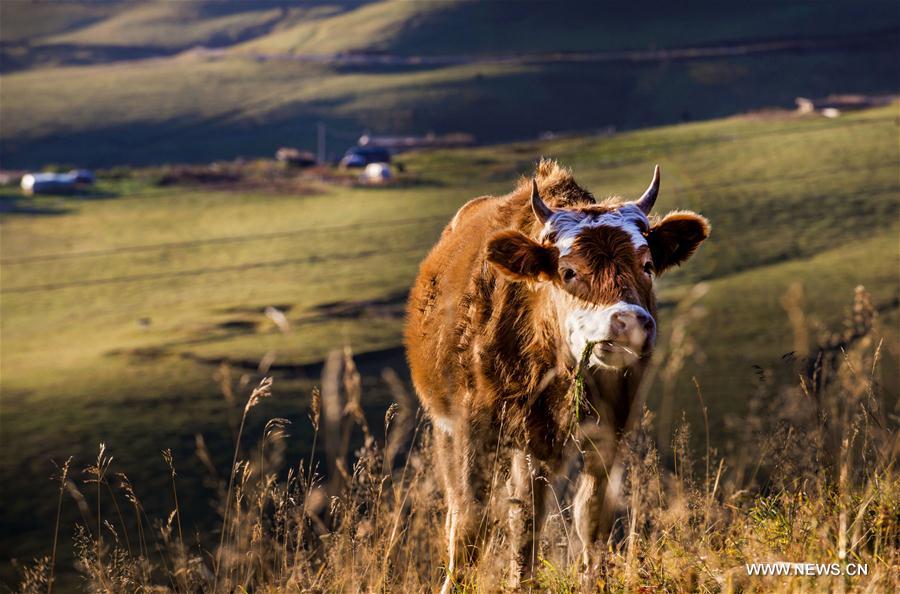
{"x": 541, "y": 210}
{"x": 645, "y": 202}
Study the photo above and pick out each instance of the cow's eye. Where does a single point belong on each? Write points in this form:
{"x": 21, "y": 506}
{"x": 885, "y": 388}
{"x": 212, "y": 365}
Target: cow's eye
{"x": 648, "y": 268}
{"x": 567, "y": 274}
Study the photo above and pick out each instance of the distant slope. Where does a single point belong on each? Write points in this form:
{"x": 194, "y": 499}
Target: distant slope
{"x": 80, "y": 89}
{"x": 37, "y": 34}
{"x": 173, "y": 26}
{"x": 192, "y": 108}
{"x": 27, "y": 21}
{"x": 472, "y": 27}
{"x": 371, "y": 27}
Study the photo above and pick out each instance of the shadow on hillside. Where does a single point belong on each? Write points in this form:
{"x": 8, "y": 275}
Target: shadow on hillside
{"x": 184, "y": 140}
{"x": 253, "y": 321}
{"x": 24, "y": 205}
{"x": 370, "y": 364}
{"x": 58, "y": 204}
{"x": 21, "y": 57}
{"x": 494, "y": 106}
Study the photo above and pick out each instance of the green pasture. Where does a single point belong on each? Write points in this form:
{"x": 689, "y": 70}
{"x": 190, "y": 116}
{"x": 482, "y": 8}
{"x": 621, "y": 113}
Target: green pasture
{"x": 117, "y": 310}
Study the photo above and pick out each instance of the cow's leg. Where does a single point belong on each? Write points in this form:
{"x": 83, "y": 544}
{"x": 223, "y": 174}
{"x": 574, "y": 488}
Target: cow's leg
{"x": 527, "y": 509}
{"x": 592, "y": 506}
{"x": 449, "y": 470}
{"x": 447, "y": 474}
{"x": 466, "y": 522}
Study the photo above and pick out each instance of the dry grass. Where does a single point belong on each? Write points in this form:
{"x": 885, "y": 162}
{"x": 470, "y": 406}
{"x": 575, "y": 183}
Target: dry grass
{"x": 808, "y": 476}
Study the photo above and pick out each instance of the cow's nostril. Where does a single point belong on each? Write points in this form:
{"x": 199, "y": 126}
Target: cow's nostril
{"x": 644, "y": 319}
{"x": 623, "y": 322}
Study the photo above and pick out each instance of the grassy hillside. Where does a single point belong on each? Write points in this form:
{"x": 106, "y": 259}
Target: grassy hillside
{"x": 196, "y": 109}
{"x": 423, "y": 28}
{"x": 433, "y": 28}
{"x": 99, "y": 87}
{"x": 116, "y": 311}
{"x": 23, "y": 21}
{"x": 36, "y": 33}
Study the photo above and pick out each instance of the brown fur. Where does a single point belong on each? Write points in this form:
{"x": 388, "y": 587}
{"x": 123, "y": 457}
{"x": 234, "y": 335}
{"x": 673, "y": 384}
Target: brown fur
{"x": 606, "y": 256}
{"x": 488, "y": 359}
{"x": 676, "y": 237}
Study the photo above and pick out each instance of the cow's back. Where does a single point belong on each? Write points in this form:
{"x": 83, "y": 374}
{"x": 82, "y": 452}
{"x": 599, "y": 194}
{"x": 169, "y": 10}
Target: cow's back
{"x": 438, "y": 312}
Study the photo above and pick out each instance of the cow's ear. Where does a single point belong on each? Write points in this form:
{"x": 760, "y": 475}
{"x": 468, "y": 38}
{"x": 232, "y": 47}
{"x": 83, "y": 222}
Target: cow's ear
{"x": 676, "y": 237}
{"x": 520, "y": 258}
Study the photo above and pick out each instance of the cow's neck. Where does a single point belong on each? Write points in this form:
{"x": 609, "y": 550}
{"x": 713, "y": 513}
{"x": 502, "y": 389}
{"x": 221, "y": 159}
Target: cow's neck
{"x": 612, "y": 391}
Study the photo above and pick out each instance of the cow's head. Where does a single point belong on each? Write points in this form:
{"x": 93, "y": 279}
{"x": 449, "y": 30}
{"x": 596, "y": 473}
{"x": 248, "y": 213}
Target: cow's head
{"x": 599, "y": 262}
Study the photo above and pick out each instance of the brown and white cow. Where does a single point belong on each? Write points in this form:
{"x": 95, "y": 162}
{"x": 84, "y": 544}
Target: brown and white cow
{"x": 517, "y": 291}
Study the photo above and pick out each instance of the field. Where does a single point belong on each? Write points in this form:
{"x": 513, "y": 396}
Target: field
{"x": 99, "y": 85}
{"x": 138, "y": 318}
{"x": 118, "y": 310}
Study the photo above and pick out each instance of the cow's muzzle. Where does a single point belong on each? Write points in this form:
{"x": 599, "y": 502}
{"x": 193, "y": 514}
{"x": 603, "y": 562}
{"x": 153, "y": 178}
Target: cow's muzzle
{"x": 632, "y": 326}
{"x": 621, "y": 334}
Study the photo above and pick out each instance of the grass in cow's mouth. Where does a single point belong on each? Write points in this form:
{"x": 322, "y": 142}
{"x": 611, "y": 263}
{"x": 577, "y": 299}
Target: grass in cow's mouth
{"x": 612, "y": 346}
{"x": 579, "y": 402}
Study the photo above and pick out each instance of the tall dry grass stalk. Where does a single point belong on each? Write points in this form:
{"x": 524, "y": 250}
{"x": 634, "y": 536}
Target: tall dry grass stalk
{"x": 62, "y": 477}
{"x": 807, "y": 474}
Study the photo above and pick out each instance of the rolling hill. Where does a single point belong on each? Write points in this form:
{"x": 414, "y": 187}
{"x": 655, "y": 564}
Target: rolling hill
{"x": 115, "y": 83}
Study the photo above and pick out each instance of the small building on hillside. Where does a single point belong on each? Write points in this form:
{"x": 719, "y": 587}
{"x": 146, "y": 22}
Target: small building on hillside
{"x": 833, "y": 105}
{"x": 376, "y": 173}
{"x": 362, "y": 156}
{"x": 56, "y": 183}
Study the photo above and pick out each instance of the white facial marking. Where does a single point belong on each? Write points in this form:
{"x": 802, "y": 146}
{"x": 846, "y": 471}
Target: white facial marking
{"x": 585, "y": 324}
{"x": 568, "y": 225}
